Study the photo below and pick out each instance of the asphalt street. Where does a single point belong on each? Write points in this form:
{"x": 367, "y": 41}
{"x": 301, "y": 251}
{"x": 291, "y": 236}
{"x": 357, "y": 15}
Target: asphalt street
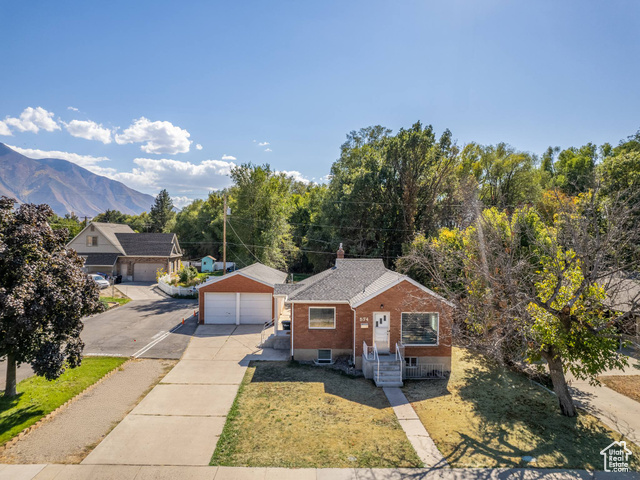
{"x": 145, "y": 328}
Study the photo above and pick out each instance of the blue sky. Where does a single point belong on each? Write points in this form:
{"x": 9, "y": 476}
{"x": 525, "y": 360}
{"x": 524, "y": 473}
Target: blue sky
{"x": 301, "y": 75}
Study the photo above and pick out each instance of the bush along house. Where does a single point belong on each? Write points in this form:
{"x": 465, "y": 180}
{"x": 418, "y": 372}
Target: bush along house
{"x": 390, "y": 326}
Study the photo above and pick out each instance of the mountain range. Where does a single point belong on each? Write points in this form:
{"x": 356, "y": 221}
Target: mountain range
{"x": 65, "y": 186}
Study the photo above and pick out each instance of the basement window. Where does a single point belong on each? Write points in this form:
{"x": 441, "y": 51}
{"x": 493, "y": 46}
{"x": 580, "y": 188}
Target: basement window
{"x": 324, "y": 356}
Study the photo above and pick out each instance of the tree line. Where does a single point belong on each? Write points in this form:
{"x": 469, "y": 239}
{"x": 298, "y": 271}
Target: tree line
{"x": 535, "y": 251}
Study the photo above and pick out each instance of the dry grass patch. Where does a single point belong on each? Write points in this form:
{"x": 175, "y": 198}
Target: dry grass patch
{"x": 290, "y": 415}
{"x": 487, "y": 416}
{"x": 628, "y": 385}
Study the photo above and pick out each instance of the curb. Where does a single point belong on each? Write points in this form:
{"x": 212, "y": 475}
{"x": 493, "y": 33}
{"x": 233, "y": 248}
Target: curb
{"x": 51, "y": 415}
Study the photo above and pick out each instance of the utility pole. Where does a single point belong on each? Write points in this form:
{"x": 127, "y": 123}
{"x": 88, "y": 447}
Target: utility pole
{"x": 224, "y": 237}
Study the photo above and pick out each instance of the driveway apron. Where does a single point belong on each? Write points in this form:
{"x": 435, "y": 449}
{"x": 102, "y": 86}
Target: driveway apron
{"x": 180, "y": 420}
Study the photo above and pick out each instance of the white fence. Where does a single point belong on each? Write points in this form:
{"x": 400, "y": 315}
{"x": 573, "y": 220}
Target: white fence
{"x": 163, "y": 284}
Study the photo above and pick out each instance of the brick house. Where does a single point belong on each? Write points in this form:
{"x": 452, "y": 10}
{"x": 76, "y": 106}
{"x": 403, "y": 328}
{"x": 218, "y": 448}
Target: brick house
{"x": 116, "y": 249}
{"x": 242, "y": 297}
{"x": 387, "y": 324}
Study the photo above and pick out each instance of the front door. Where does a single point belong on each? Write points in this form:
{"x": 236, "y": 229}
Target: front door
{"x": 381, "y": 331}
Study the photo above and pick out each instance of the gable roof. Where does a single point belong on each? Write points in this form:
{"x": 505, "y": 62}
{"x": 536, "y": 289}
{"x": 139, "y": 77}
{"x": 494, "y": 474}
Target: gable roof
{"x": 208, "y": 256}
{"x": 257, "y": 271}
{"x": 148, "y": 244}
{"x": 353, "y": 281}
{"x": 108, "y": 230}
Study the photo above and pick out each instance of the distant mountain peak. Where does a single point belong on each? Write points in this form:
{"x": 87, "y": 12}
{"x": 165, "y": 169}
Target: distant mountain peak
{"x": 65, "y": 186}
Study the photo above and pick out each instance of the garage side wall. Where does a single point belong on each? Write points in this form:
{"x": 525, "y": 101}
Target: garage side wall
{"x": 233, "y": 284}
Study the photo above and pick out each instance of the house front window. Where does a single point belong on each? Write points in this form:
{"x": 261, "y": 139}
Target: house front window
{"x": 420, "y": 328}
{"x": 322, "y": 317}
{"x": 92, "y": 241}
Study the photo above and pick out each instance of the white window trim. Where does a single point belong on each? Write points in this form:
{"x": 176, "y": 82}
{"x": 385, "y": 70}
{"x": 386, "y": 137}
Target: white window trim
{"x": 409, "y": 345}
{"x": 411, "y": 358}
{"x": 322, "y": 328}
{"x": 330, "y": 362}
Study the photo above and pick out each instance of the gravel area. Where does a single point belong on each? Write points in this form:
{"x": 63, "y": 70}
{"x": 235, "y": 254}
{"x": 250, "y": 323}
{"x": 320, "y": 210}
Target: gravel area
{"x": 74, "y": 432}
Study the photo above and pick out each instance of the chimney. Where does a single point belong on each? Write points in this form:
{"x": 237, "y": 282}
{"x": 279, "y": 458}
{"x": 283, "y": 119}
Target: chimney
{"x": 340, "y": 252}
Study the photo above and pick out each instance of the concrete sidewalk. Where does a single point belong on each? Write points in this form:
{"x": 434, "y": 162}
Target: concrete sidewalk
{"x": 130, "y": 472}
{"x": 615, "y": 410}
{"x": 180, "y": 420}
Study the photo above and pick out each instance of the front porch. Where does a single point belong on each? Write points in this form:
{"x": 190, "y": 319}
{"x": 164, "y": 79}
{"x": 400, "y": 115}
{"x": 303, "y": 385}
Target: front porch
{"x": 396, "y": 367}
{"x": 274, "y": 334}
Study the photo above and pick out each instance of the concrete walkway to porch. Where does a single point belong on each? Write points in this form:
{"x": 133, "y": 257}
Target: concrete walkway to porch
{"x": 414, "y": 429}
{"x": 180, "y": 420}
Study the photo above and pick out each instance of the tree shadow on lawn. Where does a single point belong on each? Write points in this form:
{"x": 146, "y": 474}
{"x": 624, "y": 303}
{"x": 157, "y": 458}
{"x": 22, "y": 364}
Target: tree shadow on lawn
{"x": 16, "y": 418}
{"x": 340, "y": 384}
{"x": 516, "y": 419}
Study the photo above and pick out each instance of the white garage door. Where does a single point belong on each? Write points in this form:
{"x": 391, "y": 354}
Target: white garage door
{"x": 255, "y": 307}
{"x": 220, "y": 308}
{"x": 146, "y": 272}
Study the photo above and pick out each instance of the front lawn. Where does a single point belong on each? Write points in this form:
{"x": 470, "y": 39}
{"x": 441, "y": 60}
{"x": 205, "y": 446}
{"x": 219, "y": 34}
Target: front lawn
{"x": 293, "y": 416}
{"x": 628, "y": 385}
{"x": 118, "y": 300}
{"x": 488, "y": 416}
{"x": 38, "y": 397}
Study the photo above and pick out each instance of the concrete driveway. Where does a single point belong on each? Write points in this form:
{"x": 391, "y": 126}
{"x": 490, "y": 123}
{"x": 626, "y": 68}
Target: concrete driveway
{"x": 180, "y": 420}
{"x": 141, "y": 290}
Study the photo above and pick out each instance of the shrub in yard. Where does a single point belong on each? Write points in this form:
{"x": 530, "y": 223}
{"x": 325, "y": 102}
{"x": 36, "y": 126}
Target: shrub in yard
{"x": 187, "y": 274}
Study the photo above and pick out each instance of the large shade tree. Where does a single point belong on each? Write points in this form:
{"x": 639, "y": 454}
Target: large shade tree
{"x": 43, "y": 294}
{"x": 528, "y": 291}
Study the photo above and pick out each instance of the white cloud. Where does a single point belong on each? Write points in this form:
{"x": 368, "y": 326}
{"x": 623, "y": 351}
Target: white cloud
{"x": 198, "y": 146}
{"x": 73, "y": 109}
{"x": 4, "y": 129}
{"x": 296, "y": 175}
{"x": 263, "y": 144}
{"x": 153, "y": 174}
{"x": 86, "y": 161}
{"x": 228, "y": 157}
{"x": 268, "y": 150}
{"x": 32, "y": 120}
{"x": 158, "y": 137}
{"x": 181, "y": 202}
{"x": 89, "y": 130}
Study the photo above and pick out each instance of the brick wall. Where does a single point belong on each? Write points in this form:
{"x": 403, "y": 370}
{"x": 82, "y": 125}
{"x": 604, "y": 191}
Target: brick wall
{"x": 340, "y": 338}
{"x": 233, "y": 284}
{"x": 404, "y": 297}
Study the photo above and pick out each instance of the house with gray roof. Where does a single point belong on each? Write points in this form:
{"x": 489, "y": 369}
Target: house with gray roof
{"x": 380, "y": 321}
{"x": 116, "y": 249}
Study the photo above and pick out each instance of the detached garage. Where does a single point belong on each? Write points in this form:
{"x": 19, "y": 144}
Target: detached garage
{"x": 242, "y": 297}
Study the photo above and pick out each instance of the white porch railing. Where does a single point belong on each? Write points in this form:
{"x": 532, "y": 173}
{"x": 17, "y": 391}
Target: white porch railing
{"x": 367, "y": 352}
{"x": 265, "y": 328}
{"x": 377, "y": 357}
{"x": 400, "y": 353}
{"x": 424, "y": 370}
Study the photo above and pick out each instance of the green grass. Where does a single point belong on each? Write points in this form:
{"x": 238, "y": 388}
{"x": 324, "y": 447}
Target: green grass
{"x": 488, "y": 416}
{"x": 38, "y": 397}
{"x": 294, "y": 416}
{"x": 119, "y": 301}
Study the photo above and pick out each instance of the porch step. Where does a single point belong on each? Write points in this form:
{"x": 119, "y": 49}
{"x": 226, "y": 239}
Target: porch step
{"x": 389, "y": 374}
{"x": 278, "y": 342}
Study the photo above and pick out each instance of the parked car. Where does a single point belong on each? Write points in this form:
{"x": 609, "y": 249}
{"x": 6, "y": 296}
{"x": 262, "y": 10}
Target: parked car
{"x": 100, "y": 280}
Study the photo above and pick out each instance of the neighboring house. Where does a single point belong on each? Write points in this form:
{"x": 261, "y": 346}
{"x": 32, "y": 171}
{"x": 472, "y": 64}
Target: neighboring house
{"x": 389, "y": 325}
{"x": 207, "y": 263}
{"x": 117, "y": 250}
{"x": 242, "y": 297}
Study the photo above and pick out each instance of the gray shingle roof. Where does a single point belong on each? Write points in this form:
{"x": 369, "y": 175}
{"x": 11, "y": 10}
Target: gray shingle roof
{"x": 265, "y": 274}
{"x": 100, "y": 259}
{"x": 342, "y": 283}
{"x": 146, "y": 244}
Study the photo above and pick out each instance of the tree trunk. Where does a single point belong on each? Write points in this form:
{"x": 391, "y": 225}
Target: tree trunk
{"x": 10, "y": 386}
{"x": 560, "y": 386}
